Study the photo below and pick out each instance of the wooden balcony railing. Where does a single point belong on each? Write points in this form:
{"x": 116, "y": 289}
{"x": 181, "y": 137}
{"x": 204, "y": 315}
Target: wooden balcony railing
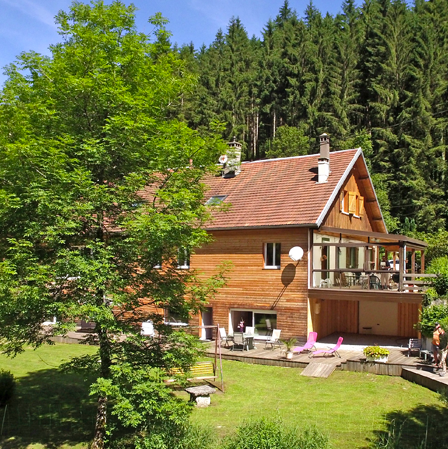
{"x": 358, "y": 279}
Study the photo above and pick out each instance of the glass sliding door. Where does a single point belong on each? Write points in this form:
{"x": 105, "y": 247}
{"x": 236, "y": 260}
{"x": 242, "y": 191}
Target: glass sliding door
{"x": 263, "y": 321}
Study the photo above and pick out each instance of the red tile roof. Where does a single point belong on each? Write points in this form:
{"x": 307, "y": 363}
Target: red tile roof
{"x": 278, "y": 192}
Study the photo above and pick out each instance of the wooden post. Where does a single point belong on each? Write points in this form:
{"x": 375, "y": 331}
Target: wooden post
{"x": 218, "y": 348}
{"x": 401, "y": 260}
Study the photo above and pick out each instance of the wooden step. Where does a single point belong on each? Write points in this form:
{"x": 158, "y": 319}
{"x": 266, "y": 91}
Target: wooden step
{"x": 318, "y": 370}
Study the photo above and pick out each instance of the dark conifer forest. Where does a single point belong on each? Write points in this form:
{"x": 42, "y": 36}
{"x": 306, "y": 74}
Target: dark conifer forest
{"x": 374, "y": 76}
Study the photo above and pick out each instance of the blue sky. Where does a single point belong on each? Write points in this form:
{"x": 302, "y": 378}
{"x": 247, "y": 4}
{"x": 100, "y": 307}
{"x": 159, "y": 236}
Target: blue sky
{"x": 29, "y": 24}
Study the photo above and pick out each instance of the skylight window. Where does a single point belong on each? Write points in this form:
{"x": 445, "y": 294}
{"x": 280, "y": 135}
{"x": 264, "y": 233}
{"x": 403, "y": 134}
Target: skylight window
{"x": 216, "y": 199}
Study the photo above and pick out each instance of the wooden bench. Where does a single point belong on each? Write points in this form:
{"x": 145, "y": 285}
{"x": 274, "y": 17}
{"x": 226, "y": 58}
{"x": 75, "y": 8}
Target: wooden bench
{"x": 199, "y": 371}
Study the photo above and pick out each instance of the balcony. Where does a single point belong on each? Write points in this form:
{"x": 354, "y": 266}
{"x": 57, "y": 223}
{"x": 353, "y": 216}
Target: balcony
{"x": 385, "y": 280}
{"x": 350, "y": 260}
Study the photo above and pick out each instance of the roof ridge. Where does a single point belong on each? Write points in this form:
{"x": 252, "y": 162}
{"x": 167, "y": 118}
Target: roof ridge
{"x": 296, "y": 157}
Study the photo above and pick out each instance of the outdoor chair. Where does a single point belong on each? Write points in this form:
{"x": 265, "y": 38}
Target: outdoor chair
{"x": 326, "y": 283}
{"x": 309, "y": 345}
{"x": 268, "y": 327}
{"x": 148, "y": 329}
{"x": 274, "y": 340}
{"x": 415, "y": 344}
{"x": 250, "y": 331}
{"x": 332, "y": 351}
{"x": 224, "y": 337}
{"x": 238, "y": 342}
{"x": 374, "y": 282}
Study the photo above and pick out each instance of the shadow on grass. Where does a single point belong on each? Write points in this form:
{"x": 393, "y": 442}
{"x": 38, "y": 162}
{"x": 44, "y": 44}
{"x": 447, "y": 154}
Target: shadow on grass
{"x": 50, "y": 408}
{"x": 423, "y": 427}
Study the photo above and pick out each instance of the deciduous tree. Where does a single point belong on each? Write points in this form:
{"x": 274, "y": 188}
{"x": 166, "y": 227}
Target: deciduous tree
{"x": 99, "y": 186}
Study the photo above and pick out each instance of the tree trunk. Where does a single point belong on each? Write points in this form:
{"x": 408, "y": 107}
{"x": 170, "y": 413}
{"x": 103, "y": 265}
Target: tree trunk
{"x": 100, "y": 425}
{"x": 106, "y": 362}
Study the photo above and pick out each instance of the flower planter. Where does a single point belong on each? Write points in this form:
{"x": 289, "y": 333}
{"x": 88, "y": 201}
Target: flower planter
{"x": 289, "y": 355}
{"x": 376, "y": 354}
{"x": 383, "y": 359}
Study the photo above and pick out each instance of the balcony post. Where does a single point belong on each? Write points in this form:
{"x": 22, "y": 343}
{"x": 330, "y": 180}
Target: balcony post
{"x": 402, "y": 266}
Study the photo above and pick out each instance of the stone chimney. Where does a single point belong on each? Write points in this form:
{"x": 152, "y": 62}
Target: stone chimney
{"x": 323, "y": 164}
{"x": 232, "y": 166}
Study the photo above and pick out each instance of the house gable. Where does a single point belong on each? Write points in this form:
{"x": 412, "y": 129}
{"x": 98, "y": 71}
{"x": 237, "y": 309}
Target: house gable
{"x": 355, "y": 205}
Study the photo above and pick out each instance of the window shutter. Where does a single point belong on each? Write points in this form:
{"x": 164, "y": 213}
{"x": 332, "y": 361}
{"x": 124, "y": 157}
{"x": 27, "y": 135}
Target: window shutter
{"x": 361, "y": 205}
{"x": 344, "y": 201}
{"x": 351, "y": 202}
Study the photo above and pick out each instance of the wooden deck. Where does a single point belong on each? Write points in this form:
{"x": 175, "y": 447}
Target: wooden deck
{"x": 411, "y": 368}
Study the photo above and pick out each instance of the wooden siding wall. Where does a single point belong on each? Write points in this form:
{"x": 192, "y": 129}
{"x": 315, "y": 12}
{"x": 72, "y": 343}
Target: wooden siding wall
{"x": 337, "y": 219}
{"x": 408, "y": 315}
{"x": 252, "y": 287}
{"x": 334, "y": 316}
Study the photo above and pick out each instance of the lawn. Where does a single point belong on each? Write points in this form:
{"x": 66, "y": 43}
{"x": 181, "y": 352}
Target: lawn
{"x": 53, "y": 409}
{"x": 351, "y": 408}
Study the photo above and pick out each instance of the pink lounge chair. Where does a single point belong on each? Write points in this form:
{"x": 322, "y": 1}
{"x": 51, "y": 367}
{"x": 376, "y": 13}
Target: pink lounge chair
{"x": 309, "y": 345}
{"x": 332, "y": 351}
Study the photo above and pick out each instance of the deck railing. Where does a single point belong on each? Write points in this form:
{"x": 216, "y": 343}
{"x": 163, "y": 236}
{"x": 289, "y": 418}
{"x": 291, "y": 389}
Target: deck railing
{"x": 358, "y": 279}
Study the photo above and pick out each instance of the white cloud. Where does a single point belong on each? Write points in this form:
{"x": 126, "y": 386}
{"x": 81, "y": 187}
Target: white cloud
{"x": 217, "y": 11}
{"x": 33, "y": 9}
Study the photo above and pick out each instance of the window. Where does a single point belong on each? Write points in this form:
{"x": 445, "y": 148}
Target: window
{"x": 272, "y": 253}
{"x": 183, "y": 261}
{"x": 352, "y": 257}
{"x": 217, "y": 199}
{"x": 175, "y": 318}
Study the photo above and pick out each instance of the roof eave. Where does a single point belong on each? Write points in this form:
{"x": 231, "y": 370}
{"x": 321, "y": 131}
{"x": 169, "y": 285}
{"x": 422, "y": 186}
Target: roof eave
{"x": 239, "y": 228}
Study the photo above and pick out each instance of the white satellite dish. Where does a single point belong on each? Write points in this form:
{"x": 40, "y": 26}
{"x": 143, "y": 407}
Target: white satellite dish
{"x": 223, "y": 159}
{"x": 296, "y": 253}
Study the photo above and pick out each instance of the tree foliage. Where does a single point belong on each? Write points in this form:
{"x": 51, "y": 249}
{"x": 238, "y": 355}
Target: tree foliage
{"x": 99, "y": 186}
{"x": 377, "y": 69}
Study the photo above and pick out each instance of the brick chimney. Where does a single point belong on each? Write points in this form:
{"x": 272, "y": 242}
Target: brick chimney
{"x": 323, "y": 164}
{"x": 233, "y": 164}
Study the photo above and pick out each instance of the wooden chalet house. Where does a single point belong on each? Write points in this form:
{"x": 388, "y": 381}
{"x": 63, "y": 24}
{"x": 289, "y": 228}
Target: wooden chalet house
{"x": 326, "y": 205}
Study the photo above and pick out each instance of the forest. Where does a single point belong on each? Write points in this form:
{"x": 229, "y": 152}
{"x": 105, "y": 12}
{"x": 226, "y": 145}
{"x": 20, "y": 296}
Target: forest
{"x": 375, "y": 76}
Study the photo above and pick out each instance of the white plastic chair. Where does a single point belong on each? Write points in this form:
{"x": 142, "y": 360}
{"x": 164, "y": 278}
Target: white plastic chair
{"x": 224, "y": 337}
{"x": 275, "y": 339}
{"x": 148, "y": 328}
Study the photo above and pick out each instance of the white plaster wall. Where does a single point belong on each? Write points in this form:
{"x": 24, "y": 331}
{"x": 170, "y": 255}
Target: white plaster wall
{"x": 382, "y": 317}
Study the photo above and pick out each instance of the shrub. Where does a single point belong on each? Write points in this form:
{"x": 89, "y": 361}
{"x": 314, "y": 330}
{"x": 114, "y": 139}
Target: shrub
{"x": 431, "y": 315}
{"x": 375, "y": 352}
{"x": 267, "y": 434}
{"x": 7, "y": 387}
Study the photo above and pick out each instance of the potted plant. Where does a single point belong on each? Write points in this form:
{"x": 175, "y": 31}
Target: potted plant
{"x": 376, "y": 354}
{"x": 289, "y": 344}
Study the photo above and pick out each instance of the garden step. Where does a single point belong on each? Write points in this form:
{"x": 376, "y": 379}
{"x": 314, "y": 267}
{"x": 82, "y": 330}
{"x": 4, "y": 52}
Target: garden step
{"x": 316, "y": 369}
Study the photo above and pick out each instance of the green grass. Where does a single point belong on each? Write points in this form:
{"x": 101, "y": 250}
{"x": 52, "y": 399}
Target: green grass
{"x": 51, "y": 408}
{"x": 54, "y": 410}
{"x": 351, "y": 408}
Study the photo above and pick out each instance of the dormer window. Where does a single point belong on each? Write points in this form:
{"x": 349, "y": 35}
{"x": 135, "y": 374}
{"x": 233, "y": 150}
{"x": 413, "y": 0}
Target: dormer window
{"x": 216, "y": 199}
